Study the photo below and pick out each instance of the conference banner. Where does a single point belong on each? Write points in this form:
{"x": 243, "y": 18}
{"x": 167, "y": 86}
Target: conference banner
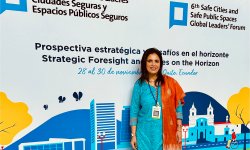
{"x": 68, "y": 67}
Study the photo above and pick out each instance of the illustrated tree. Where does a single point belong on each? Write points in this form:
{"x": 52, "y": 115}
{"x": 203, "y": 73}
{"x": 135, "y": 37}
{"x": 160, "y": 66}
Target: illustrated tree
{"x": 14, "y": 117}
{"x": 238, "y": 107}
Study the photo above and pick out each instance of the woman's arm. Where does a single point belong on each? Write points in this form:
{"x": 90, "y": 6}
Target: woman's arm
{"x": 179, "y": 116}
{"x": 133, "y": 137}
{"x": 134, "y": 110}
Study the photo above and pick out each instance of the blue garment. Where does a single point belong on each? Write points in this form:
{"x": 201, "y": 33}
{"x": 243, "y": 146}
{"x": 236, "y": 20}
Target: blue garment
{"x": 148, "y": 129}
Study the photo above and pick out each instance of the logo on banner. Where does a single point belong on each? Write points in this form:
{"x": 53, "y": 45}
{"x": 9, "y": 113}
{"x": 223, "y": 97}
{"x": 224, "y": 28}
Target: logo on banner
{"x": 14, "y": 5}
{"x": 178, "y": 14}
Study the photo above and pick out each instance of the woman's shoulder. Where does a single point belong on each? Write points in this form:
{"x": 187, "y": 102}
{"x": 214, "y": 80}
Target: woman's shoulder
{"x": 138, "y": 86}
{"x": 138, "y": 82}
{"x": 166, "y": 77}
{"x": 171, "y": 81}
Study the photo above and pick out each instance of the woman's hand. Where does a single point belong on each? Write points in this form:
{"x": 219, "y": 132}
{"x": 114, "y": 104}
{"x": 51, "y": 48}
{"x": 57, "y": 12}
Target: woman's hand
{"x": 179, "y": 131}
{"x": 178, "y": 136}
{"x": 133, "y": 142}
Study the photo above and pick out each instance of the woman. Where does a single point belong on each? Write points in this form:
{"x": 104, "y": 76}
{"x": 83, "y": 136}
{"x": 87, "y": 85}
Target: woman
{"x": 156, "y": 107}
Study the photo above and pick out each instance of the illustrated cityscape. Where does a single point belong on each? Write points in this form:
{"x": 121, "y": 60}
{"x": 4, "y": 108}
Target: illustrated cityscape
{"x": 108, "y": 133}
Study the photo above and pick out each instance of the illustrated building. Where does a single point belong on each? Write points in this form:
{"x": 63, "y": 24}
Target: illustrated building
{"x": 55, "y": 144}
{"x": 103, "y": 125}
{"x": 125, "y": 130}
{"x": 125, "y": 126}
{"x": 202, "y": 128}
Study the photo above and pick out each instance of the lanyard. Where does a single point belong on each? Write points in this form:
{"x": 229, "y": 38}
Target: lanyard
{"x": 156, "y": 99}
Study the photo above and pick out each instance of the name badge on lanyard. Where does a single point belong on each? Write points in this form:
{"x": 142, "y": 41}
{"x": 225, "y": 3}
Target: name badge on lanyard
{"x": 156, "y": 110}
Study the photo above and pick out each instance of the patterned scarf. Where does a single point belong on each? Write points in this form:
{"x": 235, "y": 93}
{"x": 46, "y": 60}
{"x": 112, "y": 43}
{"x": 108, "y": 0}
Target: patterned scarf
{"x": 171, "y": 94}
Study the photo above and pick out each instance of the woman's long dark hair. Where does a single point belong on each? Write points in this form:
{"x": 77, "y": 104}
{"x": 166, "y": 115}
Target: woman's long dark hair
{"x": 144, "y": 71}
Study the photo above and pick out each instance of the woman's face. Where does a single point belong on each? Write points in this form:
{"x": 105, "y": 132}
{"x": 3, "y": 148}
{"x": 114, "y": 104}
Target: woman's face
{"x": 153, "y": 64}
